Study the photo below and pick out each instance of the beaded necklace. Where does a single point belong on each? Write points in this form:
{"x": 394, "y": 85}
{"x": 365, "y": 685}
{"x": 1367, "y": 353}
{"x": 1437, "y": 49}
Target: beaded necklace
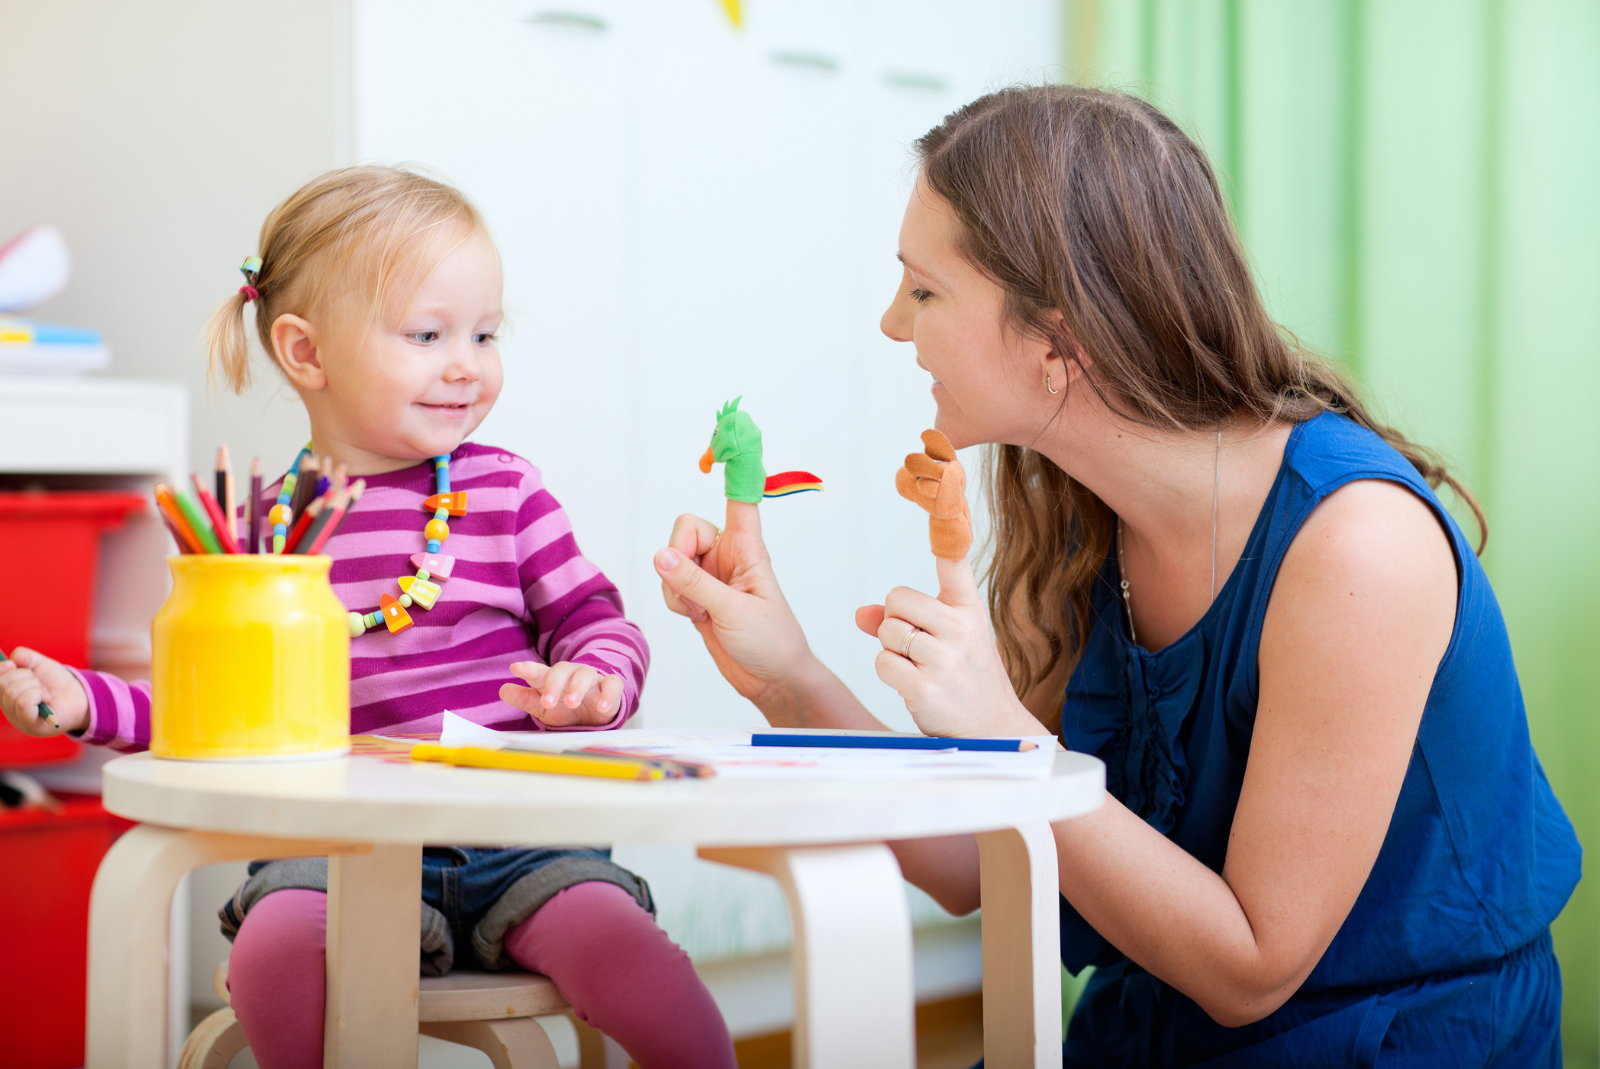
{"x": 416, "y": 591}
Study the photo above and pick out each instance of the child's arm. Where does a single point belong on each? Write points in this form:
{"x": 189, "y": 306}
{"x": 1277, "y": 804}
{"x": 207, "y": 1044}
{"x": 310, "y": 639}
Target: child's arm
{"x": 595, "y": 654}
{"x": 94, "y": 706}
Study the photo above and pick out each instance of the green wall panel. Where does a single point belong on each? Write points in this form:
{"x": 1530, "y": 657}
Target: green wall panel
{"x": 1418, "y": 186}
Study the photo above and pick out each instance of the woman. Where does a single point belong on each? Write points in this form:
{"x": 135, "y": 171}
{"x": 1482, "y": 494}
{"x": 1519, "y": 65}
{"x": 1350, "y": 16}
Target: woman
{"x": 1326, "y": 834}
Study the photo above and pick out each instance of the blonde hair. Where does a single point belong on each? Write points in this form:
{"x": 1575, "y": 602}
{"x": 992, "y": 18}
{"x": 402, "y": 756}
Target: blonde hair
{"x": 348, "y": 231}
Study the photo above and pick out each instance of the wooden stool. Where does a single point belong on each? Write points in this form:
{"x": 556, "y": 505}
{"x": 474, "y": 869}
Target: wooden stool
{"x": 492, "y": 1011}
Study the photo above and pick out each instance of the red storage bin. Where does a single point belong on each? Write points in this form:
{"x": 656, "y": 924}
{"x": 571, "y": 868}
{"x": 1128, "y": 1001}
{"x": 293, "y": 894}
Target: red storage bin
{"x": 47, "y": 867}
{"x": 55, "y": 538}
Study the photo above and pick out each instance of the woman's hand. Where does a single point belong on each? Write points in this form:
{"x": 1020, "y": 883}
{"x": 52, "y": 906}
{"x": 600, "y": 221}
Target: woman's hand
{"x": 30, "y": 678}
{"x": 949, "y": 674}
{"x": 564, "y": 694}
{"x": 724, "y": 584}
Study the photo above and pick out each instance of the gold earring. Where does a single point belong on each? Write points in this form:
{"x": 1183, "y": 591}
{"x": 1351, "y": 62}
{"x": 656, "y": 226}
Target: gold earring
{"x": 1047, "y": 385}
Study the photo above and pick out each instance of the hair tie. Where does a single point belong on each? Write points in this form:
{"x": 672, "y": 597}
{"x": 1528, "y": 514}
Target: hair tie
{"x": 251, "y": 269}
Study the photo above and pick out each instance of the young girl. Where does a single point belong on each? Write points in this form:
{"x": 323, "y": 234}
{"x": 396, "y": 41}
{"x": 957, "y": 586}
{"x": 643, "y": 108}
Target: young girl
{"x": 378, "y": 294}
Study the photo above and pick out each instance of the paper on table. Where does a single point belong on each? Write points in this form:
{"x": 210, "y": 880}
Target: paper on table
{"x": 732, "y": 755}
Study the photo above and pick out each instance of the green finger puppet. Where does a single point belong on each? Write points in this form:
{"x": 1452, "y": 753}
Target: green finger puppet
{"x": 736, "y": 444}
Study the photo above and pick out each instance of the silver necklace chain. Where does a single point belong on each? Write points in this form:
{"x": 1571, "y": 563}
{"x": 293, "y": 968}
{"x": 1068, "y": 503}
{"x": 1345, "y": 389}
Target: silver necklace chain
{"x": 1122, "y": 571}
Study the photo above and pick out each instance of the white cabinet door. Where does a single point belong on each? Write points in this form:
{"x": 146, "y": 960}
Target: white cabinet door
{"x": 746, "y": 209}
{"x": 689, "y": 212}
{"x": 528, "y": 108}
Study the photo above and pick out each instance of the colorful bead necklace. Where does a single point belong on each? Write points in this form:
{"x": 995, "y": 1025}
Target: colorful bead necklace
{"x": 421, "y": 590}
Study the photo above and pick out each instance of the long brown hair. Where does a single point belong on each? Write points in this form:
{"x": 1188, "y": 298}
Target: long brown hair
{"x": 1095, "y": 204}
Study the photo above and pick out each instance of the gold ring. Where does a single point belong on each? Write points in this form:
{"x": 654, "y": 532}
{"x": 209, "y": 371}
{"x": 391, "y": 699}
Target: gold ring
{"x": 905, "y": 647}
{"x": 714, "y": 539}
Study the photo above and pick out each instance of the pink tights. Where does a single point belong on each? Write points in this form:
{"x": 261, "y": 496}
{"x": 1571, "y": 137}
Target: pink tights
{"x": 620, "y": 972}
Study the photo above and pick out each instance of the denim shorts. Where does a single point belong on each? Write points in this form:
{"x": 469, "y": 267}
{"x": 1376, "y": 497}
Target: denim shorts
{"x": 469, "y": 894}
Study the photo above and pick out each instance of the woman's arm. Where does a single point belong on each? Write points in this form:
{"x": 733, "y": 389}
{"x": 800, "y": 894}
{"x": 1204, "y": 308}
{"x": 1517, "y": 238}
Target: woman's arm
{"x": 1360, "y": 616}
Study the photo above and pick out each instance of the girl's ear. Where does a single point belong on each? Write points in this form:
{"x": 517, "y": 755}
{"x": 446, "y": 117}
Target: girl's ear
{"x": 294, "y": 347}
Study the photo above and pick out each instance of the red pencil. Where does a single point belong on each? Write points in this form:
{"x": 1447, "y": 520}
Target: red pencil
{"x": 341, "y": 504}
{"x": 303, "y": 524}
{"x": 223, "y": 529}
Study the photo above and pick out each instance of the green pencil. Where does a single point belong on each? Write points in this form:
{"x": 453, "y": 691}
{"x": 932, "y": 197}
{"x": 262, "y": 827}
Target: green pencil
{"x": 46, "y": 713}
{"x": 198, "y": 521}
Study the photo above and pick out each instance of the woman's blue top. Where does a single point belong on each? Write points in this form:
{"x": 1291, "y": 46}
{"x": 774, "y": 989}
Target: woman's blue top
{"x": 1446, "y": 951}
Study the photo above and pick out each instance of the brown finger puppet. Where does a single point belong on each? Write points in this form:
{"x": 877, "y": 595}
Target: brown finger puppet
{"x": 935, "y": 480}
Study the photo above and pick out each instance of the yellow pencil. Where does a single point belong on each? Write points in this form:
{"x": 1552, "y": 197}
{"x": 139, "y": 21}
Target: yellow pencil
{"x": 523, "y": 761}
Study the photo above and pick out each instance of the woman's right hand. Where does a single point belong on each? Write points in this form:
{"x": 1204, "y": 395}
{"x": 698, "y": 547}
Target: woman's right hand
{"x": 30, "y": 678}
{"x": 725, "y": 585}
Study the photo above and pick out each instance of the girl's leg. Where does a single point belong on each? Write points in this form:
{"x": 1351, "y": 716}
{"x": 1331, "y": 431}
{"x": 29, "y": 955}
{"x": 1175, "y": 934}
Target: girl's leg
{"x": 625, "y": 977}
{"x": 276, "y": 978}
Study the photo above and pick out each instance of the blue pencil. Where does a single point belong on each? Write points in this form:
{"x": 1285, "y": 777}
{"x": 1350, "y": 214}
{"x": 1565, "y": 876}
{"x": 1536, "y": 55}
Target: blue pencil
{"x": 889, "y": 742}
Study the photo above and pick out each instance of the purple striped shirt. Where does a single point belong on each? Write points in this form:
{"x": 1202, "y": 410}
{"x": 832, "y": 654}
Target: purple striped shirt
{"x": 520, "y": 591}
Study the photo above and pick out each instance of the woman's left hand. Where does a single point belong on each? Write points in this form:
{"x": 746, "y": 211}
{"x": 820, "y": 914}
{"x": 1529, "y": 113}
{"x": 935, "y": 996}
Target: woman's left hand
{"x": 950, "y": 675}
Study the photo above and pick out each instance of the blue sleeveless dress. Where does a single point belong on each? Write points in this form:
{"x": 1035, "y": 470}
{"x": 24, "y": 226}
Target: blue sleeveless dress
{"x": 1445, "y": 959}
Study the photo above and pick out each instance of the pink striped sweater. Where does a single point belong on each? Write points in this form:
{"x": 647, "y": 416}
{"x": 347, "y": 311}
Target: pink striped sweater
{"x": 520, "y": 591}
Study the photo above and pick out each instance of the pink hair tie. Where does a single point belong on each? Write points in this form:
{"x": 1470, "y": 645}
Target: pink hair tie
{"x": 251, "y": 269}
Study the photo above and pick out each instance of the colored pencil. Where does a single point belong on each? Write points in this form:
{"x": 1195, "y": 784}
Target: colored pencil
{"x": 304, "y": 488}
{"x": 195, "y": 518}
{"x": 342, "y": 501}
{"x": 187, "y": 540}
{"x": 565, "y": 764}
{"x": 225, "y": 493}
{"x": 673, "y": 769}
{"x": 46, "y": 713}
{"x": 888, "y": 742}
{"x": 324, "y": 475}
{"x": 297, "y": 533}
{"x": 219, "y": 524}
{"x": 254, "y": 506}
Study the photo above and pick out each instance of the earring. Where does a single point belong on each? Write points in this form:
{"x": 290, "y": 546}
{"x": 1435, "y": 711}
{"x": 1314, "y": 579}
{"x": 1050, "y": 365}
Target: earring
{"x": 1047, "y": 385}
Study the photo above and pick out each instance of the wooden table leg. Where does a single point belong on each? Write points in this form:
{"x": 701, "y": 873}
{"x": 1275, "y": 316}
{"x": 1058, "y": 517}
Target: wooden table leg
{"x": 854, "y": 999}
{"x": 374, "y": 916}
{"x": 129, "y": 916}
{"x": 1021, "y": 948}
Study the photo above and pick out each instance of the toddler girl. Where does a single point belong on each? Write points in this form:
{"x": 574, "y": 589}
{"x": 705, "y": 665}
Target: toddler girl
{"x": 378, "y": 294}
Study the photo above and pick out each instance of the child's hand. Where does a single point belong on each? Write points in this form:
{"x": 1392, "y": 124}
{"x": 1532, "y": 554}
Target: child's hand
{"x": 33, "y": 678}
{"x": 564, "y": 694}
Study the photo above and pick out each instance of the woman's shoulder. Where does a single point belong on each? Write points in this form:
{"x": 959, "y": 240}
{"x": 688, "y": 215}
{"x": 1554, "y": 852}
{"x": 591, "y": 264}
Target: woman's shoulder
{"x": 1331, "y": 449}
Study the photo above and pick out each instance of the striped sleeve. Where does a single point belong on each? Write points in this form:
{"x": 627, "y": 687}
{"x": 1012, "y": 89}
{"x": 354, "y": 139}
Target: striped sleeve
{"x": 119, "y": 711}
{"x": 577, "y": 612}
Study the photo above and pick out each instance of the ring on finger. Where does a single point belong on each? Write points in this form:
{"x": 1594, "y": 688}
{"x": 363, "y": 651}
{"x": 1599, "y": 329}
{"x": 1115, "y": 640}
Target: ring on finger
{"x": 714, "y": 539}
{"x": 905, "y": 645}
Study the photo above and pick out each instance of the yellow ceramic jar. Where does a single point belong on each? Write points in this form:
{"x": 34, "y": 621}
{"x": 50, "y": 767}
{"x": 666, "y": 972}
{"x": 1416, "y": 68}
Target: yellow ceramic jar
{"x": 251, "y": 660}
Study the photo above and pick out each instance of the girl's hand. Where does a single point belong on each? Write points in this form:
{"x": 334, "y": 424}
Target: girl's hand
{"x": 724, "y": 584}
{"x": 30, "y": 678}
{"x": 951, "y": 676}
{"x": 564, "y": 694}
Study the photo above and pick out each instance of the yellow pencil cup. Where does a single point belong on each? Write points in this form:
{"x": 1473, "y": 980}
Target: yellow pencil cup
{"x": 250, "y": 660}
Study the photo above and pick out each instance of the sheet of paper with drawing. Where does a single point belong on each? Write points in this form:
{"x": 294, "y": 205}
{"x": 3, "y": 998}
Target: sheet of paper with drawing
{"x": 731, "y": 754}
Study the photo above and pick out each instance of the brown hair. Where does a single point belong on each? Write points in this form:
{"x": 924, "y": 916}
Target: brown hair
{"x": 348, "y": 231}
{"x": 1095, "y": 204}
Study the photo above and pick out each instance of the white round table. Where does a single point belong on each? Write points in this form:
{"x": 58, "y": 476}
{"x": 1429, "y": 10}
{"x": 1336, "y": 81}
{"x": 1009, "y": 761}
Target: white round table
{"x": 822, "y": 839}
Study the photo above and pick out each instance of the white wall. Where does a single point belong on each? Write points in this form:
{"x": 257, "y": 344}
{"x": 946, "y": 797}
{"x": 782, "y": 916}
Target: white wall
{"x": 157, "y": 135}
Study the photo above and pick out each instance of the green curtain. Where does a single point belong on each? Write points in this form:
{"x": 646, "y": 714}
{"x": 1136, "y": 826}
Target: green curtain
{"x": 1418, "y": 185}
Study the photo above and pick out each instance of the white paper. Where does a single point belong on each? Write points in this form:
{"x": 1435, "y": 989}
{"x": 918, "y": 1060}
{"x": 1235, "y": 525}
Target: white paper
{"x": 732, "y": 755}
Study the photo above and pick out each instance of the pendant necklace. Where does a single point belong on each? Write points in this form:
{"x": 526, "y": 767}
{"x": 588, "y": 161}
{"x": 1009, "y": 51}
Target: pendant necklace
{"x": 420, "y": 591}
{"x": 1122, "y": 571}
